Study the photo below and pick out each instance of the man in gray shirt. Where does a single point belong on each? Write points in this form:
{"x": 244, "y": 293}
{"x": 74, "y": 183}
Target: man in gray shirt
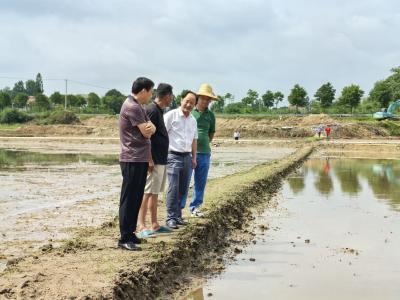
{"x": 135, "y": 130}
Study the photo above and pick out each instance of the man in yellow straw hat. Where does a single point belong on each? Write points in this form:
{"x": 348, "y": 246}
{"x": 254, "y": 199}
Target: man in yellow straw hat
{"x": 206, "y": 128}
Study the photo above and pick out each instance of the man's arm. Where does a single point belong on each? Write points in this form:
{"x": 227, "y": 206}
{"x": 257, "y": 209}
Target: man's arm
{"x": 147, "y": 129}
{"x": 212, "y": 128}
{"x": 211, "y": 136}
{"x": 194, "y": 153}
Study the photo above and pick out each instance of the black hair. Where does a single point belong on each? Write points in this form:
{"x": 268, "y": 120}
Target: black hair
{"x": 186, "y": 92}
{"x": 164, "y": 89}
{"x": 142, "y": 83}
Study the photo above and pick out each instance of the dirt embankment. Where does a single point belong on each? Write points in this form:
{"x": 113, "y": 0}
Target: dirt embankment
{"x": 267, "y": 127}
{"x": 89, "y": 266}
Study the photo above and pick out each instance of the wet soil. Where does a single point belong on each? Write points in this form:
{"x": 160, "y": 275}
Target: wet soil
{"x": 89, "y": 263}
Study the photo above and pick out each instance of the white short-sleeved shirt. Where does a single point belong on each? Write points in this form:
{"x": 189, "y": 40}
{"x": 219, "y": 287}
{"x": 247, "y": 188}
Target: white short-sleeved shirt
{"x": 181, "y": 130}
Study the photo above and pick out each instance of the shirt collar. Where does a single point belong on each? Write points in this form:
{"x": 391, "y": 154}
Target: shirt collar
{"x": 180, "y": 112}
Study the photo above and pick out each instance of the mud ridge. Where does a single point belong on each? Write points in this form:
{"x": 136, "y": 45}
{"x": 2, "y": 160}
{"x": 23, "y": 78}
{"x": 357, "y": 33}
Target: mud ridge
{"x": 188, "y": 254}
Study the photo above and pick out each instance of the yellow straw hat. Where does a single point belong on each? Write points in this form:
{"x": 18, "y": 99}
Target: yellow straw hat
{"x": 206, "y": 90}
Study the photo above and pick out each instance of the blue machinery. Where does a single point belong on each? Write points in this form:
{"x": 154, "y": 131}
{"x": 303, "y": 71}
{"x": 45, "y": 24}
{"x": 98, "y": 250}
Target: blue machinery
{"x": 388, "y": 113}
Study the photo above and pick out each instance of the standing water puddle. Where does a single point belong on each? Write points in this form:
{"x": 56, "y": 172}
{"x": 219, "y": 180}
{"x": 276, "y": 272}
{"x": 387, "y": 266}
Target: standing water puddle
{"x": 333, "y": 235}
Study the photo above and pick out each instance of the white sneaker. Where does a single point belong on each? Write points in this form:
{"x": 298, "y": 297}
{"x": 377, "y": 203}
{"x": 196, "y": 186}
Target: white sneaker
{"x": 196, "y": 213}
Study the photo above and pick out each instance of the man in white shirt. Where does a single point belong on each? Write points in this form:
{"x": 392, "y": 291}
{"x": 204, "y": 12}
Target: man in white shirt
{"x": 182, "y": 132}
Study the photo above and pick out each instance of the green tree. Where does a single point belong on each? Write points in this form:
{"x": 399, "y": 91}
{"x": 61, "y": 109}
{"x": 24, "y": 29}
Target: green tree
{"x": 218, "y": 106}
{"x": 113, "y": 103}
{"x": 394, "y": 82}
{"x": 39, "y": 84}
{"x": 381, "y": 93}
{"x": 235, "y": 108}
{"x": 20, "y": 100}
{"x": 93, "y": 100}
{"x": 251, "y": 98}
{"x": 268, "y": 99}
{"x": 325, "y": 95}
{"x": 351, "y": 96}
{"x": 57, "y": 98}
{"x": 5, "y": 100}
{"x": 76, "y": 100}
{"x": 298, "y": 97}
{"x": 18, "y": 88}
{"x": 278, "y": 97}
{"x": 41, "y": 102}
{"x": 113, "y": 93}
{"x": 30, "y": 87}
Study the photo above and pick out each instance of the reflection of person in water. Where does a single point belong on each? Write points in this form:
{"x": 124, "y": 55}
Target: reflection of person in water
{"x": 327, "y": 166}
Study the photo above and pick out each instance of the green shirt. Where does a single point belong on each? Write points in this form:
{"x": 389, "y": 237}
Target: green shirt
{"x": 205, "y": 126}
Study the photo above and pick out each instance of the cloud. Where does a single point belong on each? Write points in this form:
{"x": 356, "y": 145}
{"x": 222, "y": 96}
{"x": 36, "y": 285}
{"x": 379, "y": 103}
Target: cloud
{"x": 234, "y": 45}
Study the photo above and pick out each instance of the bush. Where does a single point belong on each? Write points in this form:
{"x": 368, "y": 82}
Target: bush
{"x": 63, "y": 117}
{"x": 10, "y": 116}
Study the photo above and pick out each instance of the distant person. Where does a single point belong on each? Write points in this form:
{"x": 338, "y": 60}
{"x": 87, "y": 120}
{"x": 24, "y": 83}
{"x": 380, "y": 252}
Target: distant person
{"x": 319, "y": 131}
{"x": 182, "y": 133}
{"x": 236, "y": 135}
{"x": 327, "y": 131}
{"x": 135, "y": 130}
{"x": 156, "y": 175}
{"x": 206, "y": 129}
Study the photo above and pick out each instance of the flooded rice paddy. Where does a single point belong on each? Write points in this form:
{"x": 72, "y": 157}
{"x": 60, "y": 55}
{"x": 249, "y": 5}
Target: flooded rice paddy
{"x": 334, "y": 233}
{"x": 44, "y": 197}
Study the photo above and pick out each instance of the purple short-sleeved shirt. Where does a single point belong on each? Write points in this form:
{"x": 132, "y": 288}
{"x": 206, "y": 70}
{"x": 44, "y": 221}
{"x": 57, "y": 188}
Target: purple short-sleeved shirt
{"x": 134, "y": 146}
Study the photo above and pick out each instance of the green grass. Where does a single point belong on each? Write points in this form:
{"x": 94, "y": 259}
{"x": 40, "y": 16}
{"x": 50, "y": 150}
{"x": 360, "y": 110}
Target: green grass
{"x": 9, "y": 126}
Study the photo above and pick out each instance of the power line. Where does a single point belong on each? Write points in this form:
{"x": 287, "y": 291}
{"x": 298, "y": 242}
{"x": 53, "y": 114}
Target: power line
{"x": 59, "y": 79}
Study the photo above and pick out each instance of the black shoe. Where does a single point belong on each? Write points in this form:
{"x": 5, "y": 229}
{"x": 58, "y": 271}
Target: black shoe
{"x": 136, "y": 240}
{"x": 172, "y": 224}
{"x": 181, "y": 221}
{"x": 130, "y": 246}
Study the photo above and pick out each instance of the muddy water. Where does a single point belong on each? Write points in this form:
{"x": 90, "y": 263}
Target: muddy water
{"x": 334, "y": 234}
{"x": 44, "y": 197}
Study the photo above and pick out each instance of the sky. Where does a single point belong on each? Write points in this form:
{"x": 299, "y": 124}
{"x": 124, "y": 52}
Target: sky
{"x": 233, "y": 45}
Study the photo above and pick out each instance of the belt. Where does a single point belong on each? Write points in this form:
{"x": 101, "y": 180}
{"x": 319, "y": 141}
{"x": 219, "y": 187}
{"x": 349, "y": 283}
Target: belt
{"x": 179, "y": 153}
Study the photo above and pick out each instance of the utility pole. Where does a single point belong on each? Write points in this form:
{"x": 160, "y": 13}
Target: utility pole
{"x": 66, "y": 93}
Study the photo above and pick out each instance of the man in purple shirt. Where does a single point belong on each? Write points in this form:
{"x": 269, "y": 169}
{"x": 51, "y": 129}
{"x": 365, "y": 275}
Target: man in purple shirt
{"x": 135, "y": 130}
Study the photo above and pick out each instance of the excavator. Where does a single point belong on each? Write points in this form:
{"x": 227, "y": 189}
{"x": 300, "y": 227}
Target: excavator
{"x": 388, "y": 113}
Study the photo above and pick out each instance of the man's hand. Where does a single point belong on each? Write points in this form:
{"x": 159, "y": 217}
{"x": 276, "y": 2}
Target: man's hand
{"x": 147, "y": 129}
{"x": 150, "y": 127}
{"x": 151, "y": 166}
{"x": 194, "y": 163}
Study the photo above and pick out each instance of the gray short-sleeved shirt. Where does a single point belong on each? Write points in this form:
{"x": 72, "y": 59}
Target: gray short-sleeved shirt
{"x": 134, "y": 146}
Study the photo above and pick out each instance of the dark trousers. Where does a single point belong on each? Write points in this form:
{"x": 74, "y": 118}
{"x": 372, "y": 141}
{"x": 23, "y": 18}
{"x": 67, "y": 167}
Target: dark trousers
{"x": 179, "y": 170}
{"x": 133, "y": 183}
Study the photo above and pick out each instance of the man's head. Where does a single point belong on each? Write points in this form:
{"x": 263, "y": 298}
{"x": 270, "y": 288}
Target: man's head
{"x": 142, "y": 89}
{"x": 164, "y": 95}
{"x": 205, "y": 96}
{"x": 188, "y": 102}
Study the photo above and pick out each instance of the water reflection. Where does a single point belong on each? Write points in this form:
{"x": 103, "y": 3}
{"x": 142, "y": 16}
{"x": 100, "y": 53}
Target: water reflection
{"x": 10, "y": 159}
{"x": 382, "y": 177}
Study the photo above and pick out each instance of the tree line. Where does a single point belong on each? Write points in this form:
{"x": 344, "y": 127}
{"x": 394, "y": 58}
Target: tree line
{"x": 351, "y": 99}
{"x": 19, "y": 97}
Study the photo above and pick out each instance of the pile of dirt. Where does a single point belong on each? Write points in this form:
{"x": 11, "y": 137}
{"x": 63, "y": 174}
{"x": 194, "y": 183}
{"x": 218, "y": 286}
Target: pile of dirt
{"x": 53, "y": 130}
{"x": 358, "y": 130}
{"x": 314, "y": 120}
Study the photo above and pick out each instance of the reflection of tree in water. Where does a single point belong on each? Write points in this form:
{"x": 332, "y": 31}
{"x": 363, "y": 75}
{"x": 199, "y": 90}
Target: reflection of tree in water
{"x": 296, "y": 181}
{"x": 384, "y": 179}
{"x": 346, "y": 172}
{"x": 383, "y": 176}
{"x": 9, "y": 158}
{"x": 324, "y": 183}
